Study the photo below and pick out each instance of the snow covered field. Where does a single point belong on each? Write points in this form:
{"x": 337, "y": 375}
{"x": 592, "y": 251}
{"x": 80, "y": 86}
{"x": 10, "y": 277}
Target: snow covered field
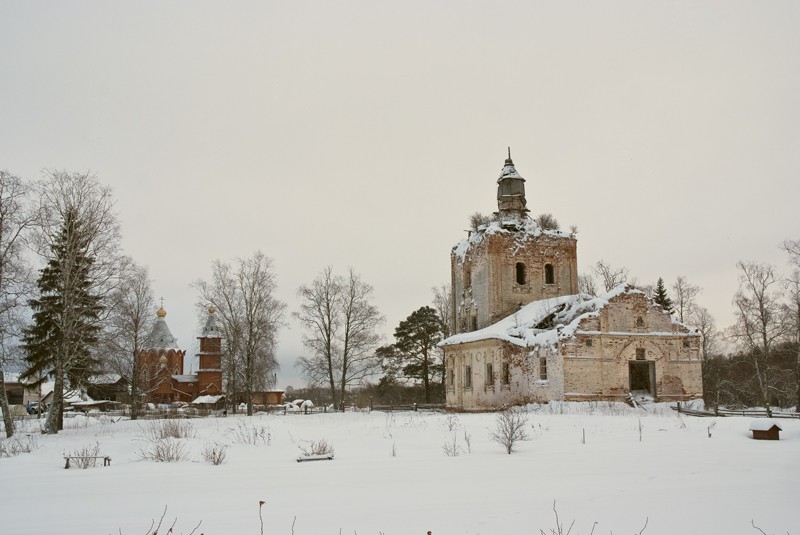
{"x": 391, "y": 475}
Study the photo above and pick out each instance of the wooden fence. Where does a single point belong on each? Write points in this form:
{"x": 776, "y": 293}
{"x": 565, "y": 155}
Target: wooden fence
{"x": 751, "y": 413}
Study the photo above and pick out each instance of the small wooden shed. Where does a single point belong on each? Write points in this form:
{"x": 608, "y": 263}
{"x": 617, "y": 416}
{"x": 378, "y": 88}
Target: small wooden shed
{"x": 765, "y": 429}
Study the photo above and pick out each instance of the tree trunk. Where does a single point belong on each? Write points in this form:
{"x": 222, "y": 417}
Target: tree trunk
{"x": 333, "y": 384}
{"x": 763, "y": 384}
{"x": 7, "y": 421}
{"x": 134, "y": 391}
{"x": 425, "y": 376}
{"x": 797, "y": 399}
{"x": 55, "y": 413}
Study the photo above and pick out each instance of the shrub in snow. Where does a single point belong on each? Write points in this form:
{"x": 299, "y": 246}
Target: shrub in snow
{"x": 165, "y": 450}
{"x": 510, "y": 428}
{"x": 247, "y": 433}
{"x": 451, "y": 447}
{"x": 316, "y": 447}
{"x": 85, "y": 457}
{"x": 452, "y": 422}
{"x": 18, "y": 444}
{"x": 215, "y": 453}
{"x": 161, "y": 429}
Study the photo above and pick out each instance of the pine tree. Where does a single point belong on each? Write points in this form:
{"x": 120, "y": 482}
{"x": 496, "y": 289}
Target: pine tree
{"x": 59, "y": 343}
{"x": 660, "y": 297}
{"x": 416, "y": 338}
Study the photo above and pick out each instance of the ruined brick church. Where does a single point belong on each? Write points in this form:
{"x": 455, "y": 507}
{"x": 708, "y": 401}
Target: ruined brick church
{"x": 525, "y": 334}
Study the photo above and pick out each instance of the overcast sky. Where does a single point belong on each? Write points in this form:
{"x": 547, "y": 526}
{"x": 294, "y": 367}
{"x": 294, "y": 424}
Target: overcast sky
{"x": 364, "y": 133}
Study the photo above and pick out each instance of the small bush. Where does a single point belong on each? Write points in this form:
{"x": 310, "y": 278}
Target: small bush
{"x": 161, "y": 429}
{"x": 251, "y": 434}
{"x": 165, "y": 450}
{"x": 85, "y": 457}
{"x": 510, "y": 428}
{"x": 215, "y": 453}
{"x": 18, "y": 444}
{"x": 452, "y": 422}
{"x": 316, "y": 447}
{"x": 451, "y": 448}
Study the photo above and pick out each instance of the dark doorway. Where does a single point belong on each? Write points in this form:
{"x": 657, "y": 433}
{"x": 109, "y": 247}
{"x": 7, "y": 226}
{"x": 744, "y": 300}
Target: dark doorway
{"x": 642, "y": 376}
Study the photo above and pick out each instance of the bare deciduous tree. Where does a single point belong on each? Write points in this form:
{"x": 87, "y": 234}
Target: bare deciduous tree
{"x": 340, "y": 322}
{"x": 609, "y": 276}
{"x": 792, "y": 248}
{"x": 443, "y": 304}
{"x": 702, "y": 320}
{"x": 16, "y": 218}
{"x": 249, "y": 316}
{"x": 587, "y": 285}
{"x": 129, "y": 324}
{"x": 510, "y": 428}
{"x": 760, "y": 322}
{"x": 684, "y": 298}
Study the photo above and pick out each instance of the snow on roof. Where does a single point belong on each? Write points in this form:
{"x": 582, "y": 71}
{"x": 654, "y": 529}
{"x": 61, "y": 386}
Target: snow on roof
{"x": 206, "y": 400}
{"x": 210, "y": 329}
{"x": 763, "y": 424}
{"x": 105, "y": 379}
{"x": 161, "y": 337}
{"x": 509, "y": 171}
{"x": 563, "y": 313}
{"x": 185, "y": 378}
{"x": 524, "y": 228}
{"x": 513, "y": 328}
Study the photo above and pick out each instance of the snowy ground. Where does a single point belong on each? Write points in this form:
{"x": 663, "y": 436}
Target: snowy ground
{"x": 391, "y": 475}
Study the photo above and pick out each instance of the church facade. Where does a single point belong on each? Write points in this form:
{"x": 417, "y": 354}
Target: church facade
{"x": 161, "y": 366}
{"x": 524, "y": 333}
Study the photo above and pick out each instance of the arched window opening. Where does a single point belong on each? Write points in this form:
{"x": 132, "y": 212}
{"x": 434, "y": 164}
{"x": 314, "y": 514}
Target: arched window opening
{"x": 549, "y": 274}
{"x": 520, "y": 271}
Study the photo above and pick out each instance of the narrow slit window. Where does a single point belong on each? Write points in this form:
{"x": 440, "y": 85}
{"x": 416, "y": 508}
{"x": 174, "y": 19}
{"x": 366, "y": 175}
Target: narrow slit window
{"x": 549, "y": 274}
{"x": 468, "y": 376}
{"x": 520, "y": 272}
{"x": 489, "y": 375}
{"x": 543, "y": 368}
{"x": 506, "y": 373}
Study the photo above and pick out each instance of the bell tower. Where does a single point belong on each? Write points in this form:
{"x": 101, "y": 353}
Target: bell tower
{"x": 509, "y": 261}
{"x": 209, "y": 375}
{"x": 511, "y": 191}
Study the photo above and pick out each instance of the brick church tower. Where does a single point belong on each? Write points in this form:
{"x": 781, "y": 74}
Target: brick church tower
{"x": 209, "y": 374}
{"x": 160, "y": 361}
{"x": 510, "y": 261}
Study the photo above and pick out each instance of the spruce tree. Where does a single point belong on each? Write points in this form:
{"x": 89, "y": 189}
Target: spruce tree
{"x": 660, "y": 297}
{"x": 65, "y": 327}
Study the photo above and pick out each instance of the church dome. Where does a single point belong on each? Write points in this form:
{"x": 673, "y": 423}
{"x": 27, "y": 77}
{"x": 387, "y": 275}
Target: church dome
{"x": 161, "y": 337}
{"x": 511, "y": 189}
{"x": 210, "y": 329}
